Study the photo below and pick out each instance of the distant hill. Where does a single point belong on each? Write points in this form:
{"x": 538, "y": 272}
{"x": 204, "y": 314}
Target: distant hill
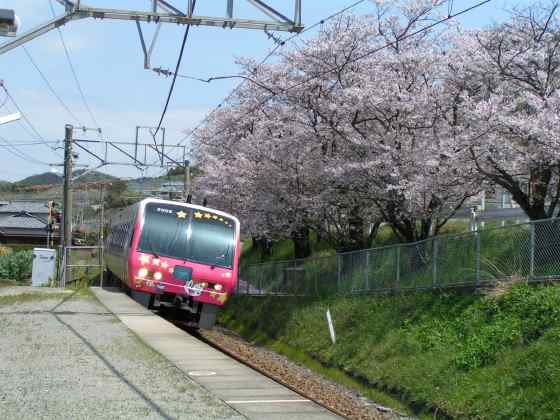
{"x": 47, "y": 178}
{"x": 93, "y": 176}
{"x": 50, "y": 178}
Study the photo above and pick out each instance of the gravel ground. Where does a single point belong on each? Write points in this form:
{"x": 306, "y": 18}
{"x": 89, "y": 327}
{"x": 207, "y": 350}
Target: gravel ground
{"x": 70, "y": 359}
{"x": 18, "y": 290}
{"x": 341, "y": 399}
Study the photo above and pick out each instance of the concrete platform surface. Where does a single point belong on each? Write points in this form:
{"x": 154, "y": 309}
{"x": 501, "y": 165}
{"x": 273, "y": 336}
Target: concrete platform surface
{"x": 250, "y": 393}
{"x": 64, "y": 356}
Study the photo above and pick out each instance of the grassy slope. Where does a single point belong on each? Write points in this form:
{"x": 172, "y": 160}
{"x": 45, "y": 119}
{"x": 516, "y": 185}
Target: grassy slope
{"x": 465, "y": 355}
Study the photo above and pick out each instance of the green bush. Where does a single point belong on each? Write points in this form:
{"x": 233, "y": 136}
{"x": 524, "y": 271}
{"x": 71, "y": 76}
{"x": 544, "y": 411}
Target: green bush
{"x": 16, "y": 266}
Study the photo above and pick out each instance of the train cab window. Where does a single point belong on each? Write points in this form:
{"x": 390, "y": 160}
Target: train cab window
{"x": 164, "y": 232}
{"x": 212, "y": 239}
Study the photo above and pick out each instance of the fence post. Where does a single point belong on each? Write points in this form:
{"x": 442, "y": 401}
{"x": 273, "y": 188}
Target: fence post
{"x": 434, "y": 262}
{"x": 261, "y": 282}
{"x": 339, "y": 272}
{"x": 531, "y": 250}
{"x": 367, "y": 270}
{"x": 398, "y": 267}
{"x": 477, "y": 256}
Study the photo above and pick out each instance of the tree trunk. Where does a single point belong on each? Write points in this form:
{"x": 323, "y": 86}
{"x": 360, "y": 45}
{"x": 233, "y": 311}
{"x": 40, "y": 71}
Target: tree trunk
{"x": 263, "y": 246}
{"x": 302, "y": 245}
{"x": 356, "y": 229}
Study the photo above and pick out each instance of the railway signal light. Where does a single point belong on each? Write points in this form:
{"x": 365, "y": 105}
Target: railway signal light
{"x": 9, "y": 22}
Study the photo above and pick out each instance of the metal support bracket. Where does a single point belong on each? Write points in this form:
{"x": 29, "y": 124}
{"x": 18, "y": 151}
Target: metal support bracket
{"x": 163, "y": 12}
{"x": 132, "y": 159}
{"x": 148, "y": 52}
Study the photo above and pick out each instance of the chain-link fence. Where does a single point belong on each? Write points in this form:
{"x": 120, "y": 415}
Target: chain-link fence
{"x": 528, "y": 251}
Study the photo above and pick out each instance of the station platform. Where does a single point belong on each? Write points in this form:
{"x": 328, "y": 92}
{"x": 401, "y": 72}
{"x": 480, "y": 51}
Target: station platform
{"x": 251, "y": 394}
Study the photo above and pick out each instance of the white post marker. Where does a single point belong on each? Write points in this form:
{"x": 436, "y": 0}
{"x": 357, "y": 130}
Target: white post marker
{"x": 10, "y": 118}
{"x": 331, "y": 327}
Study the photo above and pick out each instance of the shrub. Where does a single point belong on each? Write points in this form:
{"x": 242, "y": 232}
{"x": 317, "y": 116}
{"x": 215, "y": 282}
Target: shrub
{"x": 16, "y": 266}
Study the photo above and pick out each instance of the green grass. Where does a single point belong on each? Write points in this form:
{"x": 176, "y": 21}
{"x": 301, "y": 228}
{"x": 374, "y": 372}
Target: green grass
{"x": 466, "y": 355}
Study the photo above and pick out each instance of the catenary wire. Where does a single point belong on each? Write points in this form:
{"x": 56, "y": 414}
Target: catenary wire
{"x": 267, "y": 57}
{"x": 4, "y": 101}
{"x": 22, "y": 155}
{"x": 25, "y": 118}
{"x": 50, "y": 87}
{"x": 264, "y": 60}
{"x": 360, "y": 57}
{"x": 177, "y": 67}
{"x": 73, "y": 71}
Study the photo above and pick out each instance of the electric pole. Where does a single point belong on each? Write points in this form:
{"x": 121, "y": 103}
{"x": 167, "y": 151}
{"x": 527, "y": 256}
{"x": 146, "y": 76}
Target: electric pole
{"x": 187, "y": 182}
{"x": 67, "y": 215}
{"x": 101, "y": 236}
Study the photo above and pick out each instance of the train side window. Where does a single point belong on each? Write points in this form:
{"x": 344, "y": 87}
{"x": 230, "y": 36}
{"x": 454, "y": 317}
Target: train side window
{"x": 131, "y": 236}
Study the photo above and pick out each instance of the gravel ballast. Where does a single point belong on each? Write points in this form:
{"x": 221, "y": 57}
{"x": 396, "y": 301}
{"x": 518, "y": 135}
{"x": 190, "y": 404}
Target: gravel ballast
{"x": 66, "y": 357}
{"x": 342, "y": 400}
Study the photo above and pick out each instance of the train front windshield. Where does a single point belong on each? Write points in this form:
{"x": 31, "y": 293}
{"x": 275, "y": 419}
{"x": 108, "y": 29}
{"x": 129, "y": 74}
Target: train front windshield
{"x": 188, "y": 234}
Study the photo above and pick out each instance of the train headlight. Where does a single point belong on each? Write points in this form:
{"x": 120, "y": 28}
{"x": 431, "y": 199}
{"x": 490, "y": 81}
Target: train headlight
{"x": 155, "y": 261}
{"x": 203, "y": 285}
{"x": 158, "y": 276}
{"x": 142, "y": 273}
{"x": 218, "y": 287}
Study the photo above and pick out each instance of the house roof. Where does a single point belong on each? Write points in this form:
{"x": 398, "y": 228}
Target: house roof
{"x": 28, "y": 206}
{"x": 22, "y": 222}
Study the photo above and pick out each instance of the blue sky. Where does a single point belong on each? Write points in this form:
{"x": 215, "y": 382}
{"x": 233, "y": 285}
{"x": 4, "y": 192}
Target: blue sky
{"x": 109, "y": 63}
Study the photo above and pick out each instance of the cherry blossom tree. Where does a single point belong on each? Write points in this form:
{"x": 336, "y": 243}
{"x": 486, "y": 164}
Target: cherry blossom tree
{"x": 508, "y": 80}
{"x": 386, "y": 119}
{"x": 354, "y": 126}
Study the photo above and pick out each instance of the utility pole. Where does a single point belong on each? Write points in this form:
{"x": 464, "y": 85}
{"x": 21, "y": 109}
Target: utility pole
{"x": 67, "y": 217}
{"x": 187, "y": 182}
{"x": 101, "y": 236}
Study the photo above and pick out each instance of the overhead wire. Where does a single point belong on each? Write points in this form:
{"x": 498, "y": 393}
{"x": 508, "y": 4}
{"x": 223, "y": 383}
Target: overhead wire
{"x": 360, "y": 57}
{"x": 25, "y": 118}
{"x": 177, "y": 67}
{"x": 19, "y": 153}
{"x": 4, "y": 102}
{"x": 32, "y": 143}
{"x": 263, "y": 60}
{"x": 74, "y": 74}
{"x": 50, "y": 87}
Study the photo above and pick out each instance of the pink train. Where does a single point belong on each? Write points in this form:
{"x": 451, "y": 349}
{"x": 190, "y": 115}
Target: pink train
{"x": 171, "y": 253}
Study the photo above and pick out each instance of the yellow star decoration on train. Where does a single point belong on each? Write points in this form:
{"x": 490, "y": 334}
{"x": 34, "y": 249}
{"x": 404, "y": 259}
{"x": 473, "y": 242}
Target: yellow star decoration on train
{"x": 198, "y": 215}
{"x": 215, "y": 217}
{"x": 207, "y": 216}
{"x": 181, "y": 215}
{"x": 221, "y": 219}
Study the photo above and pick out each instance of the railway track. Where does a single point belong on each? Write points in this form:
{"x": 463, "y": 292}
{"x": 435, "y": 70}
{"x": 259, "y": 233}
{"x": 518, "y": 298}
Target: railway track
{"x": 333, "y": 397}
